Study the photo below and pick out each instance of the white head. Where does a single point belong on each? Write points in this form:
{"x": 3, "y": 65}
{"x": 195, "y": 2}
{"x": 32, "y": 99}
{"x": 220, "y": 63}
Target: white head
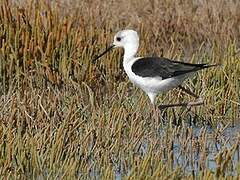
{"x": 128, "y": 39}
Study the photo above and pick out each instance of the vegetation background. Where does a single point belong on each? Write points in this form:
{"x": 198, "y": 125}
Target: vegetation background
{"x": 63, "y": 116}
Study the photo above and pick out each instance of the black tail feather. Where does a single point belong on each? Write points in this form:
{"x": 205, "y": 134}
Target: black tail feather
{"x": 211, "y": 65}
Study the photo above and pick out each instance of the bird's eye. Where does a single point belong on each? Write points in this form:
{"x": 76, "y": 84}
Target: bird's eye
{"x": 118, "y": 39}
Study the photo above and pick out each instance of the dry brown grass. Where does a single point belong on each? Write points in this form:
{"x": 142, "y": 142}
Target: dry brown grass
{"x": 63, "y": 116}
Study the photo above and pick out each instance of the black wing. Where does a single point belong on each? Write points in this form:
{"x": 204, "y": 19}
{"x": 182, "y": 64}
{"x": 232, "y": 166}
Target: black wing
{"x": 163, "y": 67}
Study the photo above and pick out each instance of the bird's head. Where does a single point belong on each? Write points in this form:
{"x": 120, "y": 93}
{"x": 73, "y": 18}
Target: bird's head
{"x": 128, "y": 39}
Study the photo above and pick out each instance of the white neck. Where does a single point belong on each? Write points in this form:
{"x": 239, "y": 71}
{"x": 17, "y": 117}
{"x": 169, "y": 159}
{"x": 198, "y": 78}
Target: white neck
{"x": 130, "y": 51}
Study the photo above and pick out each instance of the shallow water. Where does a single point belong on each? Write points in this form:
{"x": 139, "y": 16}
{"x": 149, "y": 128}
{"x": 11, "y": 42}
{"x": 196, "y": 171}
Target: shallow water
{"x": 227, "y": 139}
{"x": 191, "y": 163}
{"x": 218, "y": 140}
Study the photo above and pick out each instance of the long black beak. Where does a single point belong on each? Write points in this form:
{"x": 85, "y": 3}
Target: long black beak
{"x": 108, "y": 49}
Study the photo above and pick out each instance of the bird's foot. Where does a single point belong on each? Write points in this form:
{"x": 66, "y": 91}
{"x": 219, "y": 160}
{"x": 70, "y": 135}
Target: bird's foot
{"x": 198, "y": 102}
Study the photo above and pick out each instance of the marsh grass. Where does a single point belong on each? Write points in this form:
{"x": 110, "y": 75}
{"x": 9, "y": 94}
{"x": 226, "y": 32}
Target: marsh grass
{"x": 63, "y": 116}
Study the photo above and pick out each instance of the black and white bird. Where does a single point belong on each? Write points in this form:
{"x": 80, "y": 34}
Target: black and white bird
{"x": 152, "y": 74}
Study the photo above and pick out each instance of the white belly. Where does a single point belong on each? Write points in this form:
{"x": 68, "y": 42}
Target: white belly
{"x": 153, "y": 85}
{"x": 156, "y": 85}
